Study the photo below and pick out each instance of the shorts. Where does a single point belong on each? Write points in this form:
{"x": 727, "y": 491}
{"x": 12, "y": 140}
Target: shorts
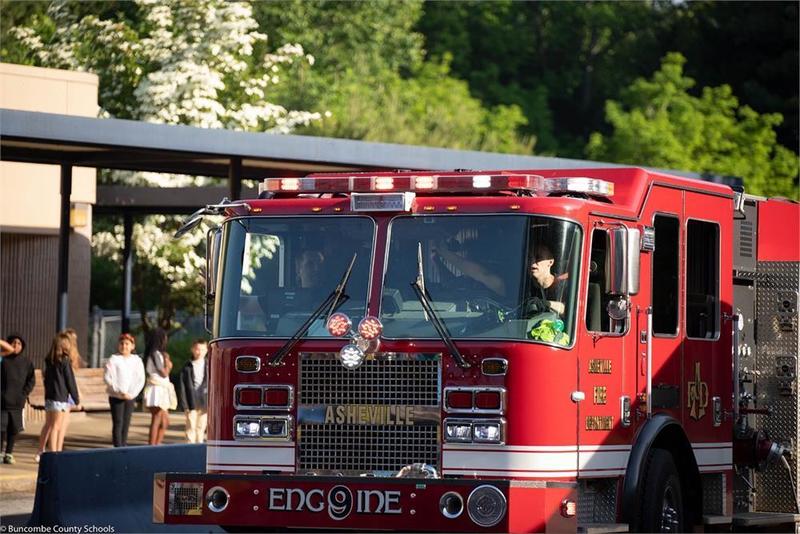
{"x": 55, "y": 406}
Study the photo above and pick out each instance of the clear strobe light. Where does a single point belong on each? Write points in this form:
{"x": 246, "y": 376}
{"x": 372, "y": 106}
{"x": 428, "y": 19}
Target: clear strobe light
{"x": 351, "y": 356}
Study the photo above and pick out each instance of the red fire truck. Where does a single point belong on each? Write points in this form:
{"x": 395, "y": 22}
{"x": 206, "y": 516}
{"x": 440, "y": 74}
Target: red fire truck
{"x": 545, "y": 350}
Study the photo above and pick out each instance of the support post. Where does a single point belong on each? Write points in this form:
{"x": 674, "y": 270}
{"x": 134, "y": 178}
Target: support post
{"x": 63, "y": 248}
{"x": 235, "y": 178}
{"x": 127, "y": 272}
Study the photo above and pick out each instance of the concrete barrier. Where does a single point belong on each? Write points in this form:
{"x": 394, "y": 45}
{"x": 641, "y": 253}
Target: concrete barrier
{"x": 110, "y": 490}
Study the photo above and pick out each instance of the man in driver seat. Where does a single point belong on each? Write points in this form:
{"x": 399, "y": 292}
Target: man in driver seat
{"x": 547, "y": 287}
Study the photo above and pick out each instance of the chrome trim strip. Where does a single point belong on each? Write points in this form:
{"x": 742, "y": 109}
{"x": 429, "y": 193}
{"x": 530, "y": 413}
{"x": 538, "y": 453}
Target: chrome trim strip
{"x": 378, "y": 356}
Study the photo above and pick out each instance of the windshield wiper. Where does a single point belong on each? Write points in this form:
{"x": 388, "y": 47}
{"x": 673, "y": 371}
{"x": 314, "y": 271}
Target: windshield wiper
{"x": 335, "y": 299}
{"x": 430, "y": 314}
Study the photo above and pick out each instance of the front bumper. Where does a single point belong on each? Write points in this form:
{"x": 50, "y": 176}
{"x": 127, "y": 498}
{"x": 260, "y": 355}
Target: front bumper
{"x": 351, "y": 503}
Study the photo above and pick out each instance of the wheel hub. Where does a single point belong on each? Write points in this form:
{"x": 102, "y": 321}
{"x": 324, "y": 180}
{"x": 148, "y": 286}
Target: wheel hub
{"x": 670, "y": 518}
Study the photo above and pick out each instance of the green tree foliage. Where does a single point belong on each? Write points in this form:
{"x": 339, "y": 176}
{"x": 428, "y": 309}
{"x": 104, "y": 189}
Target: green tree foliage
{"x": 560, "y": 61}
{"x": 430, "y": 108}
{"x": 372, "y": 77}
{"x": 751, "y": 46}
{"x": 659, "y": 123}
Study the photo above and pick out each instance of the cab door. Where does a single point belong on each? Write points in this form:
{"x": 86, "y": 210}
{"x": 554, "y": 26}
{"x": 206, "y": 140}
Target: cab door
{"x": 608, "y": 348}
{"x": 707, "y": 298}
{"x": 660, "y": 271}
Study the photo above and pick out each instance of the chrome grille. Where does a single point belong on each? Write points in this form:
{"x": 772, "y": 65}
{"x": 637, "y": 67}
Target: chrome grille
{"x": 385, "y": 380}
{"x": 401, "y": 380}
{"x": 366, "y": 448}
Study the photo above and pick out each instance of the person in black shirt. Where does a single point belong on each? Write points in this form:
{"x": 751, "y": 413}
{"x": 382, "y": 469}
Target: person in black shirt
{"x": 547, "y": 287}
{"x": 193, "y": 392}
{"x": 59, "y": 384}
{"x": 16, "y": 382}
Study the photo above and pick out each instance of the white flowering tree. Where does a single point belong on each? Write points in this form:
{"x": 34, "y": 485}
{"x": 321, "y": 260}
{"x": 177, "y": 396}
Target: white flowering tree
{"x": 195, "y": 62}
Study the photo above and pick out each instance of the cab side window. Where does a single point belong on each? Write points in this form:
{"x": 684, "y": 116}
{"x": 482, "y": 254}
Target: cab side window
{"x": 598, "y": 295}
{"x": 666, "y": 258}
{"x": 702, "y": 279}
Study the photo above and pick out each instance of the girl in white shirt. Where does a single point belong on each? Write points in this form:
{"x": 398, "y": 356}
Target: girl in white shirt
{"x": 124, "y": 379}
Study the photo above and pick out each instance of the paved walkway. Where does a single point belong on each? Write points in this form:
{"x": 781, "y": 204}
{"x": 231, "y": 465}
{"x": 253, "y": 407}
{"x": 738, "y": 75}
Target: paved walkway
{"x": 86, "y": 431}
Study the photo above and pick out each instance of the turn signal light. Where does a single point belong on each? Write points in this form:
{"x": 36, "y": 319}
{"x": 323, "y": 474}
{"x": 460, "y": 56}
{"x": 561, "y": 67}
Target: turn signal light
{"x": 370, "y": 327}
{"x": 475, "y": 399}
{"x": 276, "y": 397}
{"x": 487, "y": 400}
{"x": 461, "y": 400}
{"x": 249, "y": 397}
{"x": 569, "y": 508}
{"x": 339, "y": 324}
{"x": 248, "y": 364}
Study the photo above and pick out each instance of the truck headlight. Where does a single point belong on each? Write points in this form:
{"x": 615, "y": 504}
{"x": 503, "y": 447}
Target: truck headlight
{"x": 458, "y": 431}
{"x": 274, "y": 428}
{"x": 247, "y": 428}
{"x": 487, "y": 432}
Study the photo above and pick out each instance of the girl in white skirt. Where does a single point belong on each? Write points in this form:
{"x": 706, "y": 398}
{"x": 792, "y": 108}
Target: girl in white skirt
{"x": 159, "y": 392}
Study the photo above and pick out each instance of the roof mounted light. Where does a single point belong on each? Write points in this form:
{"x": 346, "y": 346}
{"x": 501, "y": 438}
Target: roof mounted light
{"x": 381, "y": 201}
{"x": 579, "y": 184}
{"x": 370, "y": 183}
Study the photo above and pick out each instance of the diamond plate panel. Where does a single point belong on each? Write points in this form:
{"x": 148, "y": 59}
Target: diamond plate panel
{"x": 597, "y": 501}
{"x": 776, "y": 354}
{"x": 713, "y": 493}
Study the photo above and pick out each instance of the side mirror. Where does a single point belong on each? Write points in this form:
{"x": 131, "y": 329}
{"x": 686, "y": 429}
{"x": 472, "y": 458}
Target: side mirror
{"x": 618, "y": 277}
{"x": 624, "y": 265}
{"x": 633, "y": 260}
{"x": 213, "y": 241}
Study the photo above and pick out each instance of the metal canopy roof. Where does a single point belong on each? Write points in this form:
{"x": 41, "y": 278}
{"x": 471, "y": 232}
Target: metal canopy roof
{"x": 132, "y": 145}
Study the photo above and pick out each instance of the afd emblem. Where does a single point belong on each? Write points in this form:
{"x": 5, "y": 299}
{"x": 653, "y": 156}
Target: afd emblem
{"x": 698, "y": 395}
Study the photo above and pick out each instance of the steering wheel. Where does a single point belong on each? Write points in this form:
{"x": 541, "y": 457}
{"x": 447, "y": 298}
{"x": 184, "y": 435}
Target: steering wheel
{"x": 544, "y": 316}
{"x": 486, "y": 304}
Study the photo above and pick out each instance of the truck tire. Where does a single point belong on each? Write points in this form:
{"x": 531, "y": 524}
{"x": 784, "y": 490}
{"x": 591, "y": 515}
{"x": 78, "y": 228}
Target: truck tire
{"x": 662, "y": 507}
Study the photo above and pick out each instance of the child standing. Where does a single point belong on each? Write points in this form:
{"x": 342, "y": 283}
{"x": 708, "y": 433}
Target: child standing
{"x": 59, "y": 384}
{"x": 194, "y": 392}
{"x": 16, "y": 383}
{"x": 159, "y": 391}
{"x": 124, "y": 379}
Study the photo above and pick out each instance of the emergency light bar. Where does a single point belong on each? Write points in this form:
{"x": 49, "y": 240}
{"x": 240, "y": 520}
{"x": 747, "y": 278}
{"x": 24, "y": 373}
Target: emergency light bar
{"x": 579, "y": 184}
{"x": 443, "y": 183}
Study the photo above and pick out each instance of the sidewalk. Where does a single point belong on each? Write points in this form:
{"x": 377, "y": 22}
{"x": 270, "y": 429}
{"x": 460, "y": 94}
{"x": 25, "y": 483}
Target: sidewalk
{"x": 86, "y": 431}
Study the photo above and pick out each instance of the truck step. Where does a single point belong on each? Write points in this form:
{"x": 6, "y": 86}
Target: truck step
{"x": 601, "y": 528}
{"x": 712, "y": 519}
{"x": 763, "y": 519}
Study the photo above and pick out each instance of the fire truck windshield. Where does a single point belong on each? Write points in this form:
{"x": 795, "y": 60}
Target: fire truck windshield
{"x": 487, "y": 276}
{"x": 279, "y": 270}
